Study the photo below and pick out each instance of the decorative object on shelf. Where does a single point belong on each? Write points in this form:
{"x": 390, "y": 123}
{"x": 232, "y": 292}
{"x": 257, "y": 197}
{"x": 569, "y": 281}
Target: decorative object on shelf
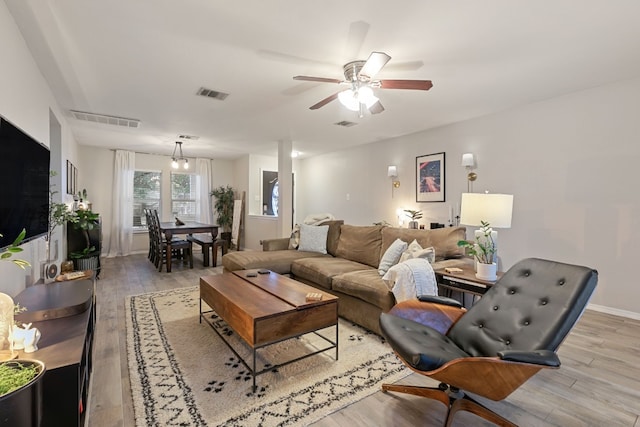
{"x": 26, "y": 338}
{"x": 392, "y": 172}
{"x": 488, "y": 211}
{"x": 7, "y": 310}
{"x": 415, "y": 215}
{"x": 430, "y": 178}
{"x": 59, "y": 214}
{"x": 175, "y": 160}
{"x": 469, "y": 163}
{"x": 66, "y": 266}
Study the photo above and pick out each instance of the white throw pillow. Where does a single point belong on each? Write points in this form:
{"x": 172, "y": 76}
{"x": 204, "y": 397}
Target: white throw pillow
{"x": 414, "y": 250}
{"x": 391, "y": 256}
{"x": 313, "y": 238}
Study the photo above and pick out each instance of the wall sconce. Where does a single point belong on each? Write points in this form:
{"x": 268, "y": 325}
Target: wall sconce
{"x": 469, "y": 163}
{"x": 392, "y": 172}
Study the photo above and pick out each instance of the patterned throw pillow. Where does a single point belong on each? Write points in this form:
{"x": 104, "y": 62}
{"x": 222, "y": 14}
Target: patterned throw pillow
{"x": 392, "y": 256}
{"x": 416, "y": 251}
{"x": 313, "y": 238}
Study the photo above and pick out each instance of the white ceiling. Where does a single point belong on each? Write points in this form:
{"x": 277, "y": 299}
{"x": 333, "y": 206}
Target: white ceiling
{"x": 146, "y": 59}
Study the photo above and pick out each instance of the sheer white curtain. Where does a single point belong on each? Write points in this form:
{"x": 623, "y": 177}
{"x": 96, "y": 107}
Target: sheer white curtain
{"x": 204, "y": 172}
{"x": 122, "y": 204}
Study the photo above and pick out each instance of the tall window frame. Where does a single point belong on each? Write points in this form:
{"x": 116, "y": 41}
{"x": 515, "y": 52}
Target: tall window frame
{"x": 147, "y": 194}
{"x": 184, "y": 195}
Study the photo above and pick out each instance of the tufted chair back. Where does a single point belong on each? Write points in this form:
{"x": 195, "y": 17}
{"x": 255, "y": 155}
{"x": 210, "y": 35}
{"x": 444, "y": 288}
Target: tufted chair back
{"x": 532, "y": 307}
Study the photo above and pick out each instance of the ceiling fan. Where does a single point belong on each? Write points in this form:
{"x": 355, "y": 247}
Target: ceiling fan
{"x": 359, "y": 76}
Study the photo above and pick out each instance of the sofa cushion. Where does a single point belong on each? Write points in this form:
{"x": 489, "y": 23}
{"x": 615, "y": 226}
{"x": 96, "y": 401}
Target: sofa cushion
{"x": 361, "y": 244}
{"x": 276, "y": 261}
{"x": 333, "y": 236}
{"x": 321, "y": 270}
{"x": 366, "y": 285}
{"x": 313, "y": 238}
{"x": 443, "y": 240}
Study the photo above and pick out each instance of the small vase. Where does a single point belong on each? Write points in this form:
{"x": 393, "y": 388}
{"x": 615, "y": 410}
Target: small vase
{"x": 413, "y": 225}
{"x": 487, "y": 272}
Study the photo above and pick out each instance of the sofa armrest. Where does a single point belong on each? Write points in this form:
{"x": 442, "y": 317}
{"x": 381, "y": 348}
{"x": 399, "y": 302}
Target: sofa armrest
{"x": 280, "y": 244}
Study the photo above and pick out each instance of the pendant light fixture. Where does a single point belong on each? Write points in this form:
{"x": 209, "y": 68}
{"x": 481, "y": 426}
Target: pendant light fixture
{"x": 175, "y": 160}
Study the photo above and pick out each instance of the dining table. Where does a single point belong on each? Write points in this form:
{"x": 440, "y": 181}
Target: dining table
{"x": 169, "y": 229}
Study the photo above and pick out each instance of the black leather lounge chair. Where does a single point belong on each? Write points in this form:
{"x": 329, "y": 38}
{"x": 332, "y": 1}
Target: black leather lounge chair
{"x": 490, "y": 350}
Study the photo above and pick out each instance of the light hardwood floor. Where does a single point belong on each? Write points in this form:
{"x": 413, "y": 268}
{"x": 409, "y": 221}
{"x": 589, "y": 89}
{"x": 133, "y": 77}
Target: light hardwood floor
{"x": 598, "y": 383}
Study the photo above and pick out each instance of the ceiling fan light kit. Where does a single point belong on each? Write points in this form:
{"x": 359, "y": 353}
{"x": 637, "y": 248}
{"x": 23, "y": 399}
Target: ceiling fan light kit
{"x": 359, "y": 75}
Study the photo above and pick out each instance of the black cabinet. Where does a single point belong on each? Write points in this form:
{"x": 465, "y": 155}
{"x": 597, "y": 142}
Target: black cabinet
{"x": 65, "y": 314}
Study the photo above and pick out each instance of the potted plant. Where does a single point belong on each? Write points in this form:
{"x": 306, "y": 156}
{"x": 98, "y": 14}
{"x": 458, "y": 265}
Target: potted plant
{"x": 415, "y": 216}
{"x": 21, "y": 392}
{"x": 483, "y": 250}
{"x": 86, "y": 258}
{"x": 225, "y": 196}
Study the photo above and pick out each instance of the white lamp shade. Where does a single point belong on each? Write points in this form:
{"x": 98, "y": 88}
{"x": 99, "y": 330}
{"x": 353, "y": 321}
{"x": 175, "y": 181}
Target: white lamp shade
{"x": 349, "y": 100}
{"x": 467, "y": 159}
{"x": 496, "y": 209}
{"x": 392, "y": 171}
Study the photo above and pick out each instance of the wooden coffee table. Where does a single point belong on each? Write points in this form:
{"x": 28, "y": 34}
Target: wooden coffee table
{"x": 265, "y": 309}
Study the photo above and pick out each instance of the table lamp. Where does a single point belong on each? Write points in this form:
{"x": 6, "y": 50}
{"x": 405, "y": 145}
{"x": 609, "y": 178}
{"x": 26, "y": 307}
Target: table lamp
{"x": 495, "y": 209}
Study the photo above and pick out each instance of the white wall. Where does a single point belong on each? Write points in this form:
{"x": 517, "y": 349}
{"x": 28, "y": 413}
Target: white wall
{"x": 569, "y": 161}
{"x": 25, "y": 100}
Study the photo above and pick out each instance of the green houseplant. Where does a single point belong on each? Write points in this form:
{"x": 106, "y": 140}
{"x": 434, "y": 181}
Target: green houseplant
{"x": 415, "y": 215}
{"x": 483, "y": 249}
{"x": 86, "y": 258}
{"x": 223, "y": 206}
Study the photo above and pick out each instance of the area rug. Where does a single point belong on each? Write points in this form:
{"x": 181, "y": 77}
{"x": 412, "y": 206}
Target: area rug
{"x": 182, "y": 374}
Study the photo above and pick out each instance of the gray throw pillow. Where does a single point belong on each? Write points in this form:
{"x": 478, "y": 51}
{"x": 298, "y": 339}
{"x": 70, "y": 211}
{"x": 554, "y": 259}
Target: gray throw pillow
{"x": 392, "y": 256}
{"x": 313, "y": 238}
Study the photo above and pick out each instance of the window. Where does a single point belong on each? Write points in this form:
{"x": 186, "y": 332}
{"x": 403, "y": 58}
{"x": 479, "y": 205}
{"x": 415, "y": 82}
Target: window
{"x": 183, "y": 196}
{"x": 146, "y": 195}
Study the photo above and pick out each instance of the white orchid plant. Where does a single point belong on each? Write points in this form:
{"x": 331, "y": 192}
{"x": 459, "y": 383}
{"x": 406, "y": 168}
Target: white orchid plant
{"x": 484, "y": 248}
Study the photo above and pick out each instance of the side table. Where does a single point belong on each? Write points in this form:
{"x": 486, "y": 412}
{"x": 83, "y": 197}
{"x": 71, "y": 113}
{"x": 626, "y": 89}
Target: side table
{"x": 464, "y": 282}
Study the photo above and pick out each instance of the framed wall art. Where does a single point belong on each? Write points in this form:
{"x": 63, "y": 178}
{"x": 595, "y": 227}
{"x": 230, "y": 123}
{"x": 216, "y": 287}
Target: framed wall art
{"x": 430, "y": 178}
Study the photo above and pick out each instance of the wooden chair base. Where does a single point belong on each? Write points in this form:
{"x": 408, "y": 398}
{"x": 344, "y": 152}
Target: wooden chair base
{"x": 453, "y": 403}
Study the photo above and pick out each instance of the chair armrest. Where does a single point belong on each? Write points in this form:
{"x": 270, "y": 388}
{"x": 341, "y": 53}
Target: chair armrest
{"x": 437, "y": 316}
{"x": 537, "y": 357}
{"x": 280, "y": 244}
{"x": 437, "y": 299}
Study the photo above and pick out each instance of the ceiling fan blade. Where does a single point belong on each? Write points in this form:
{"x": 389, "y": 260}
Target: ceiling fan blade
{"x": 374, "y": 64}
{"x": 317, "y": 79}
{"x": 376, "y": 108}
{"x": 324, "y": 102}
{"x": 406, "y": 84}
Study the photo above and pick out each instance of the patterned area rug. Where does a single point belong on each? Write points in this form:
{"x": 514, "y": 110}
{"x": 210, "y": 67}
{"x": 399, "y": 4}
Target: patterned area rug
{"x": 182, "y": 374}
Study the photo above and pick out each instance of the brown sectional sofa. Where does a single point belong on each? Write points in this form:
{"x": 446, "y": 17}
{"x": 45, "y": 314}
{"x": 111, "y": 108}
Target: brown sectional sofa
{"x": 350, "y": 268}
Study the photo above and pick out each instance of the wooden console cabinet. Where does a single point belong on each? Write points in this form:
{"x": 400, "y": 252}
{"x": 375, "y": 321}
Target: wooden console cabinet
{"x": 65, "y": 314}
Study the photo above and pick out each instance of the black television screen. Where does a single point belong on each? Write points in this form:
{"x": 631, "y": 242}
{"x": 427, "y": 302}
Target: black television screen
{"x": 24, "y": 184}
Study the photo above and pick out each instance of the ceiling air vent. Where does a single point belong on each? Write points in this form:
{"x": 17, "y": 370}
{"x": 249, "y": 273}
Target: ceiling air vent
{"x": 346, "y": 124}
{"x": 189, "y": 137}
{"x": 209, "y": 93}
{"x": 105, "y": 119}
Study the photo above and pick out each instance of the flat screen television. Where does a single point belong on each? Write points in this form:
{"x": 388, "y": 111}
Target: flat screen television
{"x": 24, "y": 185}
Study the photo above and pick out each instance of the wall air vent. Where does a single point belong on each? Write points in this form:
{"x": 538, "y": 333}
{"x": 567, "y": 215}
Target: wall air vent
{"x": 345, "y": 123}
{"x": 105, "y": 119}
{"x": 189, "y": 137}
{"x": 210, "y": 93}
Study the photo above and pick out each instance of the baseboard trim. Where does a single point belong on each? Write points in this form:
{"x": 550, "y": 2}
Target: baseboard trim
{"x": 614, "y": 311}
